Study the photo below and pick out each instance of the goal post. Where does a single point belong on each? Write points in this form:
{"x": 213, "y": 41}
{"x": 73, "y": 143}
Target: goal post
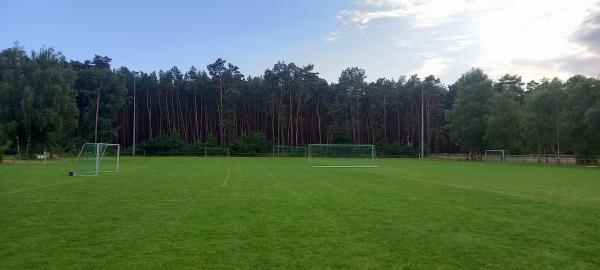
{"x": 216, "y": 152}
{"x": 496, "y": 155}
{"x": 94, "y": 158}
{"x": 109, "y": 158}
{"x": 342, "y": 155}
{"x": 289, "y": 151}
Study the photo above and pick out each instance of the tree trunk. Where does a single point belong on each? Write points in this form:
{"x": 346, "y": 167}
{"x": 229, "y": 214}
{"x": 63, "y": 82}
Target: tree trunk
{"x": 149, "y": 108}
{"x": 384, "y": 119}
{"x": 220, "y": 110}
{"x": 290, "y": 118}
{"x": 319, "y": 119}
{"x": 197, "y": 135}
{"x": 399, "y": 127}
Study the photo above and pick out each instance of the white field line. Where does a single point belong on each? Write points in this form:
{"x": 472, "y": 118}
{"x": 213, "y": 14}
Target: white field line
{"x": 78, "y": 178}
{"x": 227, "y": 177}
{"x": 167, "y": 200}
{"x": 44, "y": 186}
{"x": 343, "y": 166}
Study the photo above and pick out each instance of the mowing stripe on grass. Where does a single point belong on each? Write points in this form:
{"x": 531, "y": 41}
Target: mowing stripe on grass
{"x": 481, "y": 189}
{"x": 40, "y": 187}
{"x": 227, "y": 177}
{"x": 474, "y": 188}
{"x": 132, "y": 169}
{"x": 92, "y": 201}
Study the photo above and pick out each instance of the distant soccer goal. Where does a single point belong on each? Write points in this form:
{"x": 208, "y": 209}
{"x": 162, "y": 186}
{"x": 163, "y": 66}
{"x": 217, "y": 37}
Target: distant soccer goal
{"x": 289, "y": 151}
{"x": 216, "y": 152}
{"x": 94, "y": 158}
{"x": 496, "y": 155}
{"x": 342, "y": 155}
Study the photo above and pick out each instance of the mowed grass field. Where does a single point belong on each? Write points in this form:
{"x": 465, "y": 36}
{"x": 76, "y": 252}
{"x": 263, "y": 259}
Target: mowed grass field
{"x": 278, "y": 213}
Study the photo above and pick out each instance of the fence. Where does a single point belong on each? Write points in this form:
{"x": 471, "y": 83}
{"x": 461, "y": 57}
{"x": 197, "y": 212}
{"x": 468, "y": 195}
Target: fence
{"x": 548, "y": 159}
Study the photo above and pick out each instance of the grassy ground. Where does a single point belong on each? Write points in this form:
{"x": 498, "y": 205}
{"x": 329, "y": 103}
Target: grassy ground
{"x": 265, "y": 213}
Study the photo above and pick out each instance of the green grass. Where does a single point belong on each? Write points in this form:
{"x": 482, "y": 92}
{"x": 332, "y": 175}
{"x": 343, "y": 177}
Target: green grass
{"x": 266, "y": 213}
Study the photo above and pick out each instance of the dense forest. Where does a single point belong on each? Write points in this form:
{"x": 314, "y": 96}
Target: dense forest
{"x": 49, "y": 103}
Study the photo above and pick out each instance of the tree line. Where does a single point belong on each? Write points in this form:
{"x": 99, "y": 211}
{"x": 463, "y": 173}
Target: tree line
{"x": 49, "y": 103}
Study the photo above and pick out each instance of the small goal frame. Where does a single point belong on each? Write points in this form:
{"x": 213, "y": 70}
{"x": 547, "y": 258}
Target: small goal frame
{"x": 99, "y": 156}
{"x": 225, "y": 150}
{"x": 373, "y": 156}
{"x": 301, "y": 149}
{"x": 503, "y": 154}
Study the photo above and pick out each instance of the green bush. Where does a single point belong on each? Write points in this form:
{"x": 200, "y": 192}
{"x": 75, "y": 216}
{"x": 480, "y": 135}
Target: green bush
{"x": 173, "y": 145}
{"x": 251, "y": 144}
{"x": 3, "y": 149}
{"x": 162, "y": 144}
{"x": 396, "y": 149}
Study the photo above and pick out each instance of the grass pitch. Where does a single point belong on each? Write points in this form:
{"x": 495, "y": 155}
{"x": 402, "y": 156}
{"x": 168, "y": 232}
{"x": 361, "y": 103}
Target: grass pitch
{"x": 267, "y": 213}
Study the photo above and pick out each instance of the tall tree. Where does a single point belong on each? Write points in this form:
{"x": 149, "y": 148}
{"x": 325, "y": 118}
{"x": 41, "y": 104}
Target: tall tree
{"x": 96, "y": 80}
{"x": 226, "y": 78}
{"x": 503, "y": 122}
{"x": 289, "y": 105}
{"x": 467, "y": 118}
{"x": 351, "y": 89}
{"x": 542, "y": 116}
{"x": 581, "y": 114}
{"x": 36, "y": 99}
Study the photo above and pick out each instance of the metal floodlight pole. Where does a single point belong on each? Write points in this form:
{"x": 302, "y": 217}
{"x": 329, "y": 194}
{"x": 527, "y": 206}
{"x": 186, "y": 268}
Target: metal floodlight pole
{"x": 422, "y": 125}
{"x": 134, "y": 116}
{"x": 118, "y": 155}
{"x": 97, "y": 158}
{"x": 97, "y": 113}
{"x": 373, "y": 155}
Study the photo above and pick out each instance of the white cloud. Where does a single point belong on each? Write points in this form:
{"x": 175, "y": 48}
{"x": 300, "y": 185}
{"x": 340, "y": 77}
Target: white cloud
{"x": 537, "y": 31}
{"x": 403, "y": 43}
{"x": 333, "y": 36}
{"x": 532, "y": 38}
{"x": 359, "y": 17}
{"x": 455, "y": 42}
{"x": 434, "y": 65}
{"x": 421, "y": 13}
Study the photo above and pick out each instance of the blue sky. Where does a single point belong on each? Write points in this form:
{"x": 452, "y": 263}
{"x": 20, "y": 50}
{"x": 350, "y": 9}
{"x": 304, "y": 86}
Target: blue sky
{"x": 387, "y": 38}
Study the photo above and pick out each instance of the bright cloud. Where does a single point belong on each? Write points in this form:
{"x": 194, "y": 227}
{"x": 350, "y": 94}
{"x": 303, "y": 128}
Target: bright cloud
{"x": 434, "y": 65}
{"x": 333, "y": 36}
{"x": 533, "y": 38}
{"x": 421, "y": 13}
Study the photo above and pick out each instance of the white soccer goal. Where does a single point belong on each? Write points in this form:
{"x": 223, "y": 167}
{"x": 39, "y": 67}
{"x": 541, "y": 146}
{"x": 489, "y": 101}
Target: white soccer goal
{"x": 289, "y": 151}
{"x": 342, "y": 155}
{"x": 216, "y": 152}
{"x": 96, "y": 158}
{"x": 496, "y": 155}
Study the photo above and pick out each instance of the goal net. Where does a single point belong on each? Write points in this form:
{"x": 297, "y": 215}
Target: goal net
{"x": 289, "y": 151}
{"x": 96, "y": 158}
{"x": 496, "y": 155}
{"x": 342, "y": 155}
{"x": 216, "y": 152}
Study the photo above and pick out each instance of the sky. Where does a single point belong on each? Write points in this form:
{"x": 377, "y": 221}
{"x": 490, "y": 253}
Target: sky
{"x": 387, "y": 38}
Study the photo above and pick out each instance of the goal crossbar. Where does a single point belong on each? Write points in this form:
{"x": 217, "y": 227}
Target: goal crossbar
{"x": 496, "y": 155}
{"x": 216, "y": 151}
{"x": 297, "y": 151}
{"x": 94, "y": 158}
{"x": 342, "y": 156}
